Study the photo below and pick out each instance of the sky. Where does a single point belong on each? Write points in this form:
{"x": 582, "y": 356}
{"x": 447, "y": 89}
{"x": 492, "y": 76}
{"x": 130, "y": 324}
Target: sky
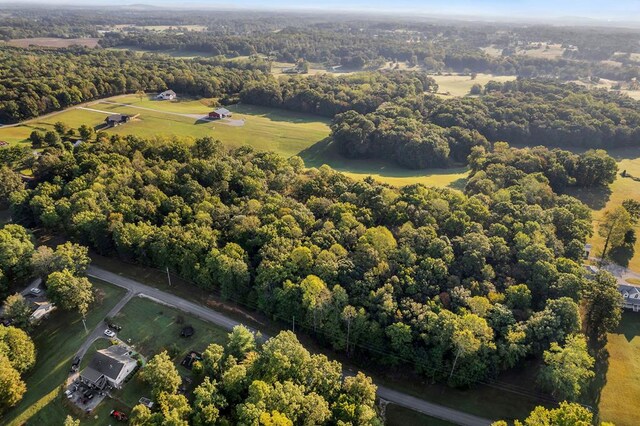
{"x": 600, "y": 10}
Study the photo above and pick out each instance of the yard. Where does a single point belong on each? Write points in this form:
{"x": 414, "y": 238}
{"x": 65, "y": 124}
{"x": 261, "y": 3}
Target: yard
{"x": 603, "y": 200}
{"x": 57, "y": 340}
{"x": 622, "y": 385}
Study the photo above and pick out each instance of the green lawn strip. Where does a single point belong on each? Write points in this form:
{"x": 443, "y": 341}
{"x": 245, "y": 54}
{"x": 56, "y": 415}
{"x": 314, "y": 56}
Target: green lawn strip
{"x": 622, "y": 384}
{"x": 396, "y": 415}
{"x": 57, "y": 340}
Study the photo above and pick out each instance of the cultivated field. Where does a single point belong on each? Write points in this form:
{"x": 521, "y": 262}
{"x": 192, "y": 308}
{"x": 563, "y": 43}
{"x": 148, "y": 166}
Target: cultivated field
{"x": 57, "y": 340}
{"x": 53, "y": 42}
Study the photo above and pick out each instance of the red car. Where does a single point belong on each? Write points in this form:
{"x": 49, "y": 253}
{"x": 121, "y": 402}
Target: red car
{"x": 119, "y": 415}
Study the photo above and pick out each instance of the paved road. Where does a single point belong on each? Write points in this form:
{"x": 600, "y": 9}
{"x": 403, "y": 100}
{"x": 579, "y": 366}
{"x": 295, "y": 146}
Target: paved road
{"x": 398, "y": 398}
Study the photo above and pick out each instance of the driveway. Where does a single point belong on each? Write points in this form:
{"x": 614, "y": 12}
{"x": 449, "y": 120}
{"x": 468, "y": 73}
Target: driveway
{"x": 388, "y": 394}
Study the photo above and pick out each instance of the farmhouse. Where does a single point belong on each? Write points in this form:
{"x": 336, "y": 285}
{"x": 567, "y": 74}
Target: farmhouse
{"x": 108, "y": 367}
{"x": 167, "y": 95}
{"x": 220, "y": 113}
{"x": 117, "y": 119}
{"x": 630, "y": 296}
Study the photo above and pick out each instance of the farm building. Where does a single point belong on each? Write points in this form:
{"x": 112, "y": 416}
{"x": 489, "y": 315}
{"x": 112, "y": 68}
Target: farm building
{"x": 167, "y": 95}
{"x": 220, "y": 113}
{"x": 116, "y": 119}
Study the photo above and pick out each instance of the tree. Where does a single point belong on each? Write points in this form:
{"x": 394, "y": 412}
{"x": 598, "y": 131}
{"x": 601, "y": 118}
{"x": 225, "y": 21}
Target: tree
{"x": 241, "y": 341}
{"x": 633, "y": 207}
{"x": 614, "y": 226}
{"x": 604, "y": 310}
{"x": 140, "y": 94}
{"x": 10, "y": 182}
{"x": 52, "y": 138}
{"x": 567, "y": 369}
{"x": 11, "y": 385}
{"x": 18, "y": 347}
{"x": 69, "y": 292}
{"x": 85, "y": 132}
{"x": 16, "y": 249}
{"x": 568, "y": 414}
{"x": 61, "y": 128}
{"x": 18, "y": 310}
{"x": 161, "y": 374}
{"x": 70, "y": 421}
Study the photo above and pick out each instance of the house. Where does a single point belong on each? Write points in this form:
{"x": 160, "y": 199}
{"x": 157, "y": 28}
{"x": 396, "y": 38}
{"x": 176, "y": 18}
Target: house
{"x": 630, "y": 296}
{"x": 220, "y": 113}
{"x": 42, "y": 310}
{"x": 117, "y": 119}
{"x": 108, "y": 367}
{"x": 167, "y": 95}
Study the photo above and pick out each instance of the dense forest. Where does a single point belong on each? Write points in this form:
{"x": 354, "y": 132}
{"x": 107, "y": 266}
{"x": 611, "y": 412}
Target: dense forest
{"x": 457, "y": 286}
{"x": 248, "y": 383}
{"x": 37, "y": 81}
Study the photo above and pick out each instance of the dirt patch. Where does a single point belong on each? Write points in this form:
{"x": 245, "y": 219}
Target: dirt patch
{"x": 53, "y": 42}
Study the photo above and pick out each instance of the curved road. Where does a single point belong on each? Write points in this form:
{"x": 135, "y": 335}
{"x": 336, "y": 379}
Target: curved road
{"x": 136, "y": 288}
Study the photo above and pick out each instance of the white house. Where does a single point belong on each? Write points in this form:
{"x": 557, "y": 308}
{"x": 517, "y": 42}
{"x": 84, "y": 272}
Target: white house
{"x": 630, "y": 296}
{"x": 108, "y": 366}
{"x": 167, "y": 95}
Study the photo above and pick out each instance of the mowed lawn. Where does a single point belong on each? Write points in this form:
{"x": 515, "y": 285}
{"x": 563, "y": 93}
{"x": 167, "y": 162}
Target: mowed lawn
{"x": 601, "y": 201}
{"x": 460, "y": 85}
{"x": 622, "y": 387}
{"x": 57, "y": 341}
{"x": 152, "y": 328}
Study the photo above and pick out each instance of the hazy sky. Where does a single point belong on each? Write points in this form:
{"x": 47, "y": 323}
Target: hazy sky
{"x": 616, "y": 9}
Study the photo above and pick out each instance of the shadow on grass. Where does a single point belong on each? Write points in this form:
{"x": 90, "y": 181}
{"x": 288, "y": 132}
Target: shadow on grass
{"x": 595, "y": 198}
{"x": 601, "y": 367}
{"x": 622, "y": 255}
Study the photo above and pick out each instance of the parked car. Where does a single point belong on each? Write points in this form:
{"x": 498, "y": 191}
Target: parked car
{"x": 68, "y": 394}
{"x": 109, "y": 333}
{"x": 115, "y": 327}
{"x": 35, "y": 291}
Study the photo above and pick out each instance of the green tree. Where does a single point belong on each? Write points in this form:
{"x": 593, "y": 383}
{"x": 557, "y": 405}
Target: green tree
{"x": 16, "y": 249}
{"x": 70, "y": 292}
{"x": 241, "y": 341}
{"x": 11, "y": 385}
{"x": 614, "y": 226}
{"x": 18, "y": 310}
{"x": 10, "y": 182}
{"x": 604, "y": 310}
{"x": 567, "y": 369}
{"x": 18, "y": 347}
{"x": 161, "y": 374}
{"x": 567, "y": 414}
{"x": 85, "y": 132}
{"x": 70, "y": 421}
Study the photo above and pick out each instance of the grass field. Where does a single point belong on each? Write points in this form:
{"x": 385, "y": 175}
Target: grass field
{"x": 284, "y": 132}
{"x": 459, "y": 85}
{"x": 601, "y": 201}
{"x": 57, "y": 340}
{"x": 622, "y": 387}
{"x": 53, "y": 42}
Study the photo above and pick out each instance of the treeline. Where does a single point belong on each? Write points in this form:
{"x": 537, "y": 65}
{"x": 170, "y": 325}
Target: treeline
{"x": 427, "y": 131}
{"x": 503, "y": 166}
{"x": 457, "y": 286}
{"x": 245, "y": 382}
{"x": 328, "y": 95}
{"x": 37, "y": 81}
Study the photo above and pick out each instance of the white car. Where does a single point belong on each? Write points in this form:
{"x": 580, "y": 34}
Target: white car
{"x": 68, "y": 393}
{"x": 109, "y": 333}
{"x": 35, "y": 291}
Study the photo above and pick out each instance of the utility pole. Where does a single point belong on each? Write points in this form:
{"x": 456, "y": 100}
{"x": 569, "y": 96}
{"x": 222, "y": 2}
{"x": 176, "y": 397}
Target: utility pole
{"x": 85, "y": 325}
{"x": 168, "y": 276}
